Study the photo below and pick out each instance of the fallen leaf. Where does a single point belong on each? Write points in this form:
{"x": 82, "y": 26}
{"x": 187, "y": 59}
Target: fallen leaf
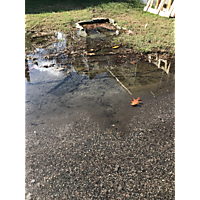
{"x": 90, "y": 54}
{"x": 58, "y": 69}
{"x": 115, "y": 47}
{"x": 133, "y": 62}
{"x": 135, "y": 101}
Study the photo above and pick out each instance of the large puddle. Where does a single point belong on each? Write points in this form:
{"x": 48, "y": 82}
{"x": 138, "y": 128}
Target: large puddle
{"x": 66, "y": 75}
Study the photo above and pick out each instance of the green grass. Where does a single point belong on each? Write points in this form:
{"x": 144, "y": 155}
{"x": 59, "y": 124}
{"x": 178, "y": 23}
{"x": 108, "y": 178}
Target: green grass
{"x": 61, "y": 15}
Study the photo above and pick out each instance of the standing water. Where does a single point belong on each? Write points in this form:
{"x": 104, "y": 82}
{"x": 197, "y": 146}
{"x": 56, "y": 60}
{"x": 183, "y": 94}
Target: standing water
{"x": 68, "y": 76}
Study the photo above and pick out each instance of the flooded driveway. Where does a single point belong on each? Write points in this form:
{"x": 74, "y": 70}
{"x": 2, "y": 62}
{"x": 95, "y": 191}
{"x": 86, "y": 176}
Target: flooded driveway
{"x": 83, "y": 138}
{"x": 75, "y": 75}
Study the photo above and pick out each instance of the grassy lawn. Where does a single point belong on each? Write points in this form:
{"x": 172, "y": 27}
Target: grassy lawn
{"x": 61, "y": 15}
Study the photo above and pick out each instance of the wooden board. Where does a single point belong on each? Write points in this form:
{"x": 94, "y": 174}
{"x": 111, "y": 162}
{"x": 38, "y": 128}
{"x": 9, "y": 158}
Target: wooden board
{"x": 156, "y": 11}
{"x": 157, "y": 4}
{"x": 148, "y": 4}
{"x": 173, "y": 13}
{"x": 168, "y": 13}
{"x": 169, "y": 4}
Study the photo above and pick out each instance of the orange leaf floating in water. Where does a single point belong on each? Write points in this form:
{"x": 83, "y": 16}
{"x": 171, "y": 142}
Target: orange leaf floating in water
{"x": 135, "y": 101}
{"x": 132, "y": 62}
{"x": 115, "y": 47}
{"x": 90, "y": 54}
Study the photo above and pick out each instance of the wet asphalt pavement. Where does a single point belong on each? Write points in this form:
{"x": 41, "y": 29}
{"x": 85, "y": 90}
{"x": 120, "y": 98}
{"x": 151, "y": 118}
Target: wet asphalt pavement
{"x": 81, "y": 159}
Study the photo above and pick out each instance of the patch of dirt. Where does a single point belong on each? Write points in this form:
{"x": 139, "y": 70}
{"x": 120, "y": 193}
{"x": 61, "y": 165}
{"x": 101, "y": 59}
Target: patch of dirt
{"x": 97, "y": 25}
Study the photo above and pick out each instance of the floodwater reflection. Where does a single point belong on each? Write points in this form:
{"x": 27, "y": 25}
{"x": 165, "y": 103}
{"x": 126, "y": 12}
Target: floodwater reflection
{"x": 158, "y": 62}
{"x": 72, "y": 75}
{"x": 85, "y": 56}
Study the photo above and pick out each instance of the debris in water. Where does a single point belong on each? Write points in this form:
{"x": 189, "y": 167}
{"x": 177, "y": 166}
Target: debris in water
{"x": 119, "y": 82}
{"x": 35, "y": 62}
{"x": 90, "y": 54}
{"x": 135, "y": 101}
{"x": 133, "y": 62}
{"x": 115, "y": 47}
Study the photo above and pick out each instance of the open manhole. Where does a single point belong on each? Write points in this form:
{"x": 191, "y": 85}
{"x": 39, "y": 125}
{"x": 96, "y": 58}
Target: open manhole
{"x": 98, "y": 27}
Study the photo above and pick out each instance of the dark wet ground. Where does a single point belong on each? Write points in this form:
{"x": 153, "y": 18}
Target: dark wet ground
{"x": 83, "y": 138}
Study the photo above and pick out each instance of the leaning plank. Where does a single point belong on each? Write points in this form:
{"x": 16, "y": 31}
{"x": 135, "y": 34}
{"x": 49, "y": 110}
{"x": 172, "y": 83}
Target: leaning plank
{"x": 157, "y": 4}
{"x": 119, "y": 82}
{"x": 169, "y": 4}
{"x": 172, "y": 9}
{"x": 167, "y": 13}
{"x": 156, "y": 11}
{"x": 148, "y": 4}
{"x": 173, "y": 13}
